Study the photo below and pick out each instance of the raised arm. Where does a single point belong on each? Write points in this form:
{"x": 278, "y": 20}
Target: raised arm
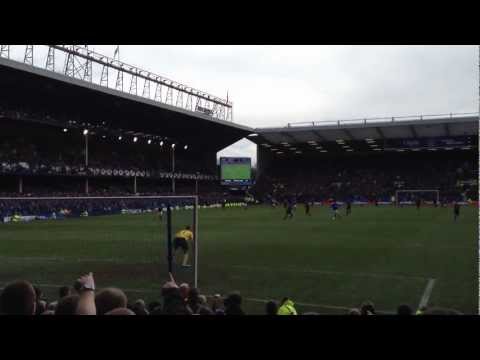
{"x": 86, "y": 304}
{"x": 172, "y": 279}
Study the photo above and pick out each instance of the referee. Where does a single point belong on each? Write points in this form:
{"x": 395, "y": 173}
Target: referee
{"x": 182, "y": 238}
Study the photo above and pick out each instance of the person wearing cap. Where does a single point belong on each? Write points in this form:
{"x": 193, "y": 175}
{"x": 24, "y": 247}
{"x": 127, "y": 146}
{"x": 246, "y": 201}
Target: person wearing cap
{"x": 287, "y": 308}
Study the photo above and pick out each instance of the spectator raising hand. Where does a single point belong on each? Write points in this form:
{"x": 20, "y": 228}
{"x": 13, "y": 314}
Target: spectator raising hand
{"x": 86, "y": 303}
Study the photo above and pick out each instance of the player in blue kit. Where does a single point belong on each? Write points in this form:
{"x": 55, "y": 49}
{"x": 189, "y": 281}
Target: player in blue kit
{"x": 289, "y": 210}
{"x": 334, "y": 206}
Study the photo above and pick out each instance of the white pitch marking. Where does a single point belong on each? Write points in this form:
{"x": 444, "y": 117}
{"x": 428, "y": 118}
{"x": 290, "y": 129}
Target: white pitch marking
{"x": 327, "y": 272}
{"x": 426, "y": 293}
{"x": 264, "y": 268}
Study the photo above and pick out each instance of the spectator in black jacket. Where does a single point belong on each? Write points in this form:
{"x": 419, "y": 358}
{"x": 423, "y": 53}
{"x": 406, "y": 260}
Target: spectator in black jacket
{"x": 233, "y": 304}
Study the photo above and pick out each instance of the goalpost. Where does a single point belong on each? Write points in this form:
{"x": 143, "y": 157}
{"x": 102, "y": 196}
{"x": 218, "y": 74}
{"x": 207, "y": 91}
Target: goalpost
{"x": 138, "y": 237}
{"x": 435, "y": 194}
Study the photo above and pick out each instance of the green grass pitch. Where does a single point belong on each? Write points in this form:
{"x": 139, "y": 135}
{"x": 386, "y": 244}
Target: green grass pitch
{"x": 236, "y": 172}
{"x": 387, "y": 255}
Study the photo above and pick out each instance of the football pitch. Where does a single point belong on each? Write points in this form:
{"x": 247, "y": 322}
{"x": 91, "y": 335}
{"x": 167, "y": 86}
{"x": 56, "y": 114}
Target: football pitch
{"x": 384, "y": 254}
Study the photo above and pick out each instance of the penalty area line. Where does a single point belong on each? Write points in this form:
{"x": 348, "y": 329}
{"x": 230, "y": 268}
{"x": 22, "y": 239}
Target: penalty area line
{"x": 426, "y": 293}
{"x": 328, "y": 272}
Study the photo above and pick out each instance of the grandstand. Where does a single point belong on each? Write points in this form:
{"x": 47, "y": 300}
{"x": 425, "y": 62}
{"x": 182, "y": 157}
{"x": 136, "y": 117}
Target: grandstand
{"x": 78, "y": 137}
{"x": 46, "y": 111}
{"x": 372, "y": 158}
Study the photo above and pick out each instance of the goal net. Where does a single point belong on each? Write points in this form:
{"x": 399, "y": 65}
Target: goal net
{"x": 409, "y": 197}
{"x": 127, "y": 242}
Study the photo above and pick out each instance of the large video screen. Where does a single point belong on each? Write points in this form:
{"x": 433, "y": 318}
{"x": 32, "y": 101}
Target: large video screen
{"x": 235, "y": 171}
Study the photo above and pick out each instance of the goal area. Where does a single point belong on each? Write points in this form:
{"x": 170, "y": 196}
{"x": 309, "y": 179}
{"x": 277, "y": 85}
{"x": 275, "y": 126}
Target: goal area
{"x": 410, "y": 196}
{"x": 126, "y": 241}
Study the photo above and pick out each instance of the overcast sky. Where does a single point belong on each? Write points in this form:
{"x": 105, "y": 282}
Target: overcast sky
{"x": 274, "y": 85}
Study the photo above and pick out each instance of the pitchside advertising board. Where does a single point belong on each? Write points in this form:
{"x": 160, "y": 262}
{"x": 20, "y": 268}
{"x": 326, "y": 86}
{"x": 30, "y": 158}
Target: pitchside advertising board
{"x": 235, "y": 171}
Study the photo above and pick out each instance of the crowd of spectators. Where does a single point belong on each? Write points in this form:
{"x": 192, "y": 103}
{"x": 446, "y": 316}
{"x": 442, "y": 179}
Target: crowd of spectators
{"x": 22, "y": 156}
{"x": 27, "y": 205}
{"x": 372, "y": 179}
{"x": 82, "y": 298}
{"x": 43, "y": 143}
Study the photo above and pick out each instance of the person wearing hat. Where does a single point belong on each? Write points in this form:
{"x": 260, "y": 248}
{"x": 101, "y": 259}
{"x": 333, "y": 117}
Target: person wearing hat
{"x": 287, "y": 308}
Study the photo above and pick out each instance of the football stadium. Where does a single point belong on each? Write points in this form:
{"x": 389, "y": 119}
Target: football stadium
{"x": 119, "y": 205}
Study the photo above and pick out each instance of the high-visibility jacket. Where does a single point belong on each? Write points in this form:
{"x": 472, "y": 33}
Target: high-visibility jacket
{"x": 287, "y": 308}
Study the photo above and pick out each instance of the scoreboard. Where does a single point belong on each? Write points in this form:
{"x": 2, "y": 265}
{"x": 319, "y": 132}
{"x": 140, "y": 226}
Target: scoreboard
{"x": 235, "y": 171}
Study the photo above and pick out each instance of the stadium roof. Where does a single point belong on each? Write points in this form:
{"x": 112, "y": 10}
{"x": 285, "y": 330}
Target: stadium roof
{"x": 29, "y": 86}
{"x": 380, "y": 128}
{"x": 37, "y": 88}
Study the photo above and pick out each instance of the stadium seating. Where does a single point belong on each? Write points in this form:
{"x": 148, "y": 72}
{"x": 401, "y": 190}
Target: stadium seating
{"x": 21, "y": 156}
{"x": 369, "y": 179}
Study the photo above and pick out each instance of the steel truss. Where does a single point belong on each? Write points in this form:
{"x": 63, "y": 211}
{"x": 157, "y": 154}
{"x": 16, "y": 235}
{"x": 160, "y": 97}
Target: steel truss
{"x": 28, "y": 58}
{"x": 79, "y": 62}
{"x": 5, "y": 51}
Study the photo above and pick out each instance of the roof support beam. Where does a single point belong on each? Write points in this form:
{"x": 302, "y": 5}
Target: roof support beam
{"x": 380, "y": 133}
{"x": 349, "y": 135}
{"x": 318, "y": 135}
{"x": 447, "y": 129}
{"x": 291, "y": 137}
{"x": 414, "y": 132}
